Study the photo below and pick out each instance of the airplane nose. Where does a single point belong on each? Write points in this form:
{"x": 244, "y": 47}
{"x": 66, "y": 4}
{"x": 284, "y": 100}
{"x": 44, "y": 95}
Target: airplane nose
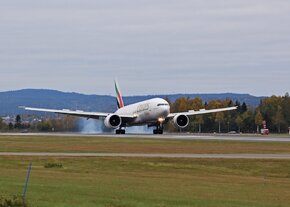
{"x": 165, "y": 111}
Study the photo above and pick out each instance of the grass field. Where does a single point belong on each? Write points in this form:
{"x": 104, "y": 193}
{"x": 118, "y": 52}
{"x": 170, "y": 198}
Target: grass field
{"x": 122, "y": 182}
{"x": 129, "y": 145}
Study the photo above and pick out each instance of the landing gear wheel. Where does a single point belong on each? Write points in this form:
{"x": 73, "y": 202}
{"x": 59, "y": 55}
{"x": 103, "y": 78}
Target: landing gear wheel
{"x": 159, "y": 127}
{"x": 120, "y": 131}
{"x": 158, "y": 131}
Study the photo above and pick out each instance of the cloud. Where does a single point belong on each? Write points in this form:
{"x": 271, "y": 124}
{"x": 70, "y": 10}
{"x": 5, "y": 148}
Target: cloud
{"x": 152, "y": 46}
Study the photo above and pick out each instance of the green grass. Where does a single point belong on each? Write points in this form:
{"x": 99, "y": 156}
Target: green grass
{"x": 116, "y": 182}
{"x": 157, "y": 182}
{"x": 106, "y": 144}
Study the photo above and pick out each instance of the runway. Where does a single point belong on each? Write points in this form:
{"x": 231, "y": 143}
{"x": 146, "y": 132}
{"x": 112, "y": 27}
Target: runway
{"x": 221, "y": 137}
{"x": 154, "y": 155}
{"x": 244, "y": 138}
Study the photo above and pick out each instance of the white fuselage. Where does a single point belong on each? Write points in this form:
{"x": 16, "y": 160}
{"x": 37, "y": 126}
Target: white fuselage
{"x": 146, "y": 112}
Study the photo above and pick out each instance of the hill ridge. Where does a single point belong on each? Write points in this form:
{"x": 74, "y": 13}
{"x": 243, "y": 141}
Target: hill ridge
{"x": 49, "y": 98}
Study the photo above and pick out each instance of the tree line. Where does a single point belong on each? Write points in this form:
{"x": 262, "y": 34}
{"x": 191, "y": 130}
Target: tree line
{"x": 274, "y": 110}
{"x": 45, "y": 124}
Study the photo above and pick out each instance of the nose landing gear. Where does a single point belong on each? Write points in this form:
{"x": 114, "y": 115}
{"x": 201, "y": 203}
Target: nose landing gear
{"x": 159, "y": 126}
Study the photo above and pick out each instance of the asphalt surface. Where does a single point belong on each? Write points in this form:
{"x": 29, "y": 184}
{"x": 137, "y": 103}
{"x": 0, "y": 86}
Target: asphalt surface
{"x": 154, "y": 155}
{"x": 222, "y": 137}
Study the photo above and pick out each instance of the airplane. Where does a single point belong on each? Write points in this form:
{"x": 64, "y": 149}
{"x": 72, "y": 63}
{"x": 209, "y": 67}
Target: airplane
{"x": 153, "y": 113}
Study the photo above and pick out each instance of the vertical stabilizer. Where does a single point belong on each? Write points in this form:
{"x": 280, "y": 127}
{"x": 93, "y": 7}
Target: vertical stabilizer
{"x": 120, "y": 102}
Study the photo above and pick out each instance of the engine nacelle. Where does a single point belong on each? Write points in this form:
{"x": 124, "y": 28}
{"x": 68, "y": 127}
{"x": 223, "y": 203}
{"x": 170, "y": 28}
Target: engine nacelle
{"x": 181, "y": 121}
{"x": 113, "y": 121}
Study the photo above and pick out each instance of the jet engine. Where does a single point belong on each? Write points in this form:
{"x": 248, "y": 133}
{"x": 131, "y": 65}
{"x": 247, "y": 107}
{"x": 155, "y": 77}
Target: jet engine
{"x": 180, "y": 121}
{"x": 113, "y": 121}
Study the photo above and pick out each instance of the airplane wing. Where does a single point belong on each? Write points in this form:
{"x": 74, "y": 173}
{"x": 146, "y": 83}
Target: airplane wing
{"x": 202, "y": 111}
{"x": 93, "y": 115}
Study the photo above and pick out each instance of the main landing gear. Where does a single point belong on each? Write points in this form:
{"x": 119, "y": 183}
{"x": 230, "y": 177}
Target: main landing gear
{"x": 158, "y": 130}
{"x": 120, "y": 131}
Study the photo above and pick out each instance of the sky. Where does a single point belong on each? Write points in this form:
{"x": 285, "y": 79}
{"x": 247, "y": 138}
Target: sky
{"x": 150, "y": 46}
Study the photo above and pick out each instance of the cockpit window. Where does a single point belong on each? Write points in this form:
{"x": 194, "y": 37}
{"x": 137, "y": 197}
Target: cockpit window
{"x": 162, "y": 104}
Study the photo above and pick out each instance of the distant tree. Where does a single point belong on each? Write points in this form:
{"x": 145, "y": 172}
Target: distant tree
{"x": 219, "y": 118}
{"x": 239, "y": 122}
{"x": 278, "y": 119}
{"x": 229, "y": 103}
{"x": 258, "y": 120}
{"x": 64, "y": 123}
{"x": 2, "y": 124}
{"x": 286, "y": 108}
{"x": 200, "y": 122}
{"x": 244, "y": 107}
{"x": 195, "y": 104}
{"x": 276, "y": 111}
{"x": 18, "y": 122}
{"x": 10, "y": 126}
{"x": 238, "y": 104}
{"x": 181, "y": 104}
{"x": 45, "y": 125}
{"x": 249, "y": 121}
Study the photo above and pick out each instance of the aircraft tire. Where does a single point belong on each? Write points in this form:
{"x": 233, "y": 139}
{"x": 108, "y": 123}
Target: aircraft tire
{"x": 120, "y": 131}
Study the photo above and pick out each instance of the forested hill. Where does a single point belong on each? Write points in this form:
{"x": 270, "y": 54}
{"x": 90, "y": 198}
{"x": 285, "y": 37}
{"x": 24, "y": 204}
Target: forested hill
{"x": 9, "y": 101}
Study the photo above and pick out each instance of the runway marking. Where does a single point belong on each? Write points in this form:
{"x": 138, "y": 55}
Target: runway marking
{"x": 154, "y": 155}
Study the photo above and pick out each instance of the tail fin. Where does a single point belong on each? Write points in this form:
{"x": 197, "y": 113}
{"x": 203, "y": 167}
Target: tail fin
{"x": 120, "y": 102}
